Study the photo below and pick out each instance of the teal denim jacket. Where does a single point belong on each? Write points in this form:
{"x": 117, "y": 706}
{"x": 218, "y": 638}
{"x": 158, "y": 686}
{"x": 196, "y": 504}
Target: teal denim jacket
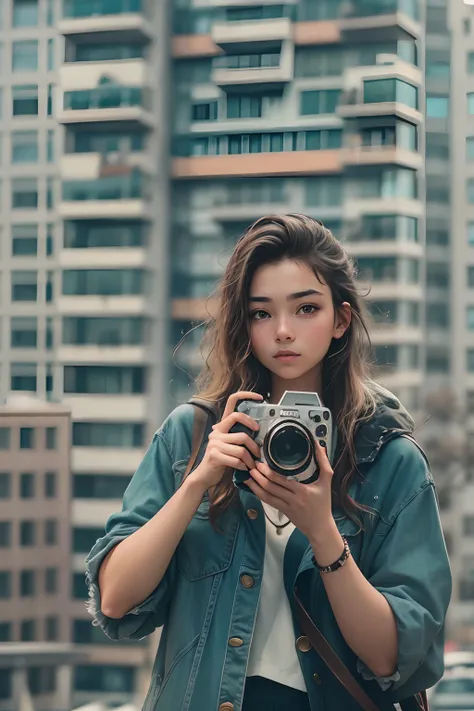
{"x": 202, "y": 603}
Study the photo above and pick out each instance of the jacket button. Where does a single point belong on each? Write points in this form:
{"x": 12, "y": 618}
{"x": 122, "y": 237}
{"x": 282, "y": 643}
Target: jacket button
{"x": 236, "y": 642}
{"x": 252, "y": 514}
{"x": 303, "y": 644}
{"x": 227, "y": 706}
{"x": 247, "y": 581}
{"x": 317, "y": 679}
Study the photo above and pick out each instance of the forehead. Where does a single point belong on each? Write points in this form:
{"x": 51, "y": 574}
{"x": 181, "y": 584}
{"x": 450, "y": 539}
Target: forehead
{"x": 284, "y": 278}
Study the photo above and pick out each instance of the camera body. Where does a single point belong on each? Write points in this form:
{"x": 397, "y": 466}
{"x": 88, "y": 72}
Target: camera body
{"x": 287, "y": 433}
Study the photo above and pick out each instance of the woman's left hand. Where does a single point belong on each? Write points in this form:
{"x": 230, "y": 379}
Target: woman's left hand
{"x": 308, "y": 506}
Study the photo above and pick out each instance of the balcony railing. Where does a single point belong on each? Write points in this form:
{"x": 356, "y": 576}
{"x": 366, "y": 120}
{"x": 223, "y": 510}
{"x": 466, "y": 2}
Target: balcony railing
{"x": 132, "y": 186}
{"x": 366, "y": 8}
{"x": 105, "y": 97}
{"x": 89, "y": 8}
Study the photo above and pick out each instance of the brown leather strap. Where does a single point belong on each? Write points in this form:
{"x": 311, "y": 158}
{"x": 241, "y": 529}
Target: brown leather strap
{"x": 203, "y": 409}
{"x": 329, "y": 656}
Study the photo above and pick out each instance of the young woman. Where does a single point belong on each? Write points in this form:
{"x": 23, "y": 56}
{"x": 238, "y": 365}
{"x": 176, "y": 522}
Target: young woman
{"x": 217, "y": 566}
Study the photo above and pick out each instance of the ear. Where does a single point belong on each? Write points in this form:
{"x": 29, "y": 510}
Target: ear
{"x": 342, "y": 320}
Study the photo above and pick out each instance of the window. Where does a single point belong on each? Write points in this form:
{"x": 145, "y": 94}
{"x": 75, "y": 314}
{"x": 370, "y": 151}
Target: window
{"x": 27, "y": 533}
{"x": 84, "y": 538}
{"x": 23, "y": 377}
{"x": 247, "y": 61}
{"x": 27, "y": 485}
{"x": 5, "y": 534}
{"x": 51, "y": 54}
{"x": 49, "y": 287}
{"x": 25, "y": 100}
{"x": 437, "y": 145}
{"x": 50, "y": 99}
{"x": 51, "y": 437}
{"x": 387, "y": 227}
{"x": 5, "y": 584}
{"x": 105, "y": 233}
{"x": 24, "y": 147}
{"x": 24, "y": 286}
{"x": 100, "y": 486}
{"x": 104, "y": 678}
{"x": 28, "y": 630}
{"x": 105, "y": 52}
{"x": 384, "y": 90}
{"x": 27, "y": 439}
{"x": 25, "y": 13}
{"x": 51, "y": 581}
{"x": 51, "y": 627}
{"x": 470, "y": 318}
{"x": 105, "y": 282}
{"x": 5, "y": 636}
{"x": 244, "y": 107}
{"x": 24, "y": 240}
{"x": 50, "y": 532}
{"x": 377, "y": 268}
{"x": 24, "y": 331}
{"x": 5, "y": 485}
{"x": 319, "y": 102}
{"x": 107, "y": 434}
{"x": 50, "y": 182}
{"x": 437, "y": 106}
{"x": 24, "y": 193}
{"x": 324, "y": 192}
{"x": 25, "y": 56}
{"x": 437, "y": 237}
{"x": 315, "y": 62}
{"x": 49, "y": 240}
{"x": 437, "y": 275}
{"x": 437, "y": 315}
{"x": 470, "y": 190}
{"x": 5, "y": 433}
{"x": 470, "y": 233}
{"x": 205, "y": 111}
{"x": 104, "y": 379}
{"x": 27, "y": 583}
{"x": 49, "y": 333}
{"x": 103, "y": 331}
{"x": 41, "y": 680}
{"x": 50, "y": 146}
{"x": 79, "y": 586}
{"x": 50, "y": 485}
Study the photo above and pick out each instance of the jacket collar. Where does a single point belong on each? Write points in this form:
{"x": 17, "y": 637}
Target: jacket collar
{"x": 389, "y": 420}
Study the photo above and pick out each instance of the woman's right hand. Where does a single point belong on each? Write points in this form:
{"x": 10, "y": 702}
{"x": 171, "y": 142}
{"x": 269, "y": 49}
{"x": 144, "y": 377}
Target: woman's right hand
{"x": 226, "y": 449}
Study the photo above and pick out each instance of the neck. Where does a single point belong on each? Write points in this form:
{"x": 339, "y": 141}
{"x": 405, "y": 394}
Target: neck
{"x": 310, "y": 382}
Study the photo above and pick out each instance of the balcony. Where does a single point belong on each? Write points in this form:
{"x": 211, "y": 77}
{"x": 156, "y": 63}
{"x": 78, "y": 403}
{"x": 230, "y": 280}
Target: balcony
{"x": 90, "y": 166}
{"x": 120, "y": 192}
{"x": 390, "y": 19}
{"x": 108, "y": 20}
{"x": 269, "y": 71}
{"x": 359, "y": 156}
{"x": 245, "y": 35}
{"x": 108, "y": 103}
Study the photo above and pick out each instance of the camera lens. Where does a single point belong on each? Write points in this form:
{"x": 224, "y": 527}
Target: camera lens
{"x": 321, "y": 431}
{"x": 289, "y": 447}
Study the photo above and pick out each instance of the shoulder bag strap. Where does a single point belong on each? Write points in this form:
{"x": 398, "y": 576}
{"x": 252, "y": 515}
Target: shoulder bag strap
{"x": 203, "y": 412}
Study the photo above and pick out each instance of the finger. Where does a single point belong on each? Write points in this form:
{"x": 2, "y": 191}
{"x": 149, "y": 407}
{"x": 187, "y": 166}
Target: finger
{"x": 322, "y": 459}
{"x": 234, "y": 450}
{"x": 243, "y": 439}
{"x": 236, "y": 417}
{"x": 266, "y": 497}
{"x": 233, "y": 400}
{"x": 276, "y": 478}
{"x": 271, "y": 487}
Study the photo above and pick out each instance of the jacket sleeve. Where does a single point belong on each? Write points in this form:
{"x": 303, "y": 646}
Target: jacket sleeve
{"x": 411, "y": 569}
{"x": 150, "y": 488}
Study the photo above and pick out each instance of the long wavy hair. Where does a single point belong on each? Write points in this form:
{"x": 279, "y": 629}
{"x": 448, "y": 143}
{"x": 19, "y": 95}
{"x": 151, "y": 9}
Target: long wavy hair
{"x": 230, "y": 365}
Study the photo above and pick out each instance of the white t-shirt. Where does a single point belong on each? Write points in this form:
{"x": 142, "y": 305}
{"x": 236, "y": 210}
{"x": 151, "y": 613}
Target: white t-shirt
{"x": 273, "y": 652}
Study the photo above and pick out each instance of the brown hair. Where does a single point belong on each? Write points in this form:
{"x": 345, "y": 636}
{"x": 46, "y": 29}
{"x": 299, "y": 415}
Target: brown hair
{"x": 231, "y": 366}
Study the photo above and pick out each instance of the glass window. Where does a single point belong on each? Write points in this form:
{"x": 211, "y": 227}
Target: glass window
{"x": 244, "y": 106}
{"x": 5, "y": 485}
{"x": 377, "y": 268}
{"x": 205, "y": 111}
{"x": 25, "y": 56}
{"x": 50, "y": 105}
{"x": 25, "y": 100}
{"x": 51, "y": 437}
{"x": 84, "y": 538}
{"x": 104, "y": 379}
{"x": 470, "y": 233}
{"x": 316, "y": 62}
{"x": 5, "y": 584}
{"x": 5, "y": 636}
{"x": 24, "y": 331}
{"x": 27, "y": 485}
{"x": 100, "y": 486}
{"x": 23, "y": 377}
{"x": 104, "y": 233}
{"x": 24, "y": 285}
{"x": 5, "y": 534}
{"x": 319, "y": 102}
{"x": 79, "y": 586}
{"x": 24, "y": 193}
{"x": 106, "y": 282}
{"x": 324, "y": 192}
{"x": 27, "y": 583}
{"x": 390, "y": 90}
{"x": 24, "y": 146}
{"x": 51, "y": 625}
{"x": 50, "y": 146}
{"x": 27, "y": 439}
{"x": 437, "y": 275}
{"x": 50, "y": 532}
{"x": 41, "y": 680}
{"x": 103, "y": 331}
{"x": 470, "y": 318}
{"x": 470, "y": 190}
{"x": 109, "y": 51}
{"x": 437, "y": 145}
{"x": 437, "y": 106}
{"x": 104, "y": 678}
{"x": 27, "y": 533}
{"x": 5, "y": 437}
{"x": 470, "y": 277}
{"x": 25, "y": 13}
{"x": 50, "y": 485}
{"x": 24, "y": 240}
{"x": 107, "y": 434}
{"x": 28, "y": 630}
{"x": 470, "y": 103}
{"x": 51, "y": 54}
{"x": 50, "y": 13}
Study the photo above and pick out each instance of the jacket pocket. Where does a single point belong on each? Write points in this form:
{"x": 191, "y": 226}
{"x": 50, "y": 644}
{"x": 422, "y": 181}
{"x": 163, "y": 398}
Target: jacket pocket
{"x": 203, "y": 551}
{"x": 353, "y": 533}
{"x": 158, "y": 682}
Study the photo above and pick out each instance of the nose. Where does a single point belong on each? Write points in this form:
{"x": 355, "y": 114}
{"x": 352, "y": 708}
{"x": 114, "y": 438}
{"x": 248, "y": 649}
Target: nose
{"x": 284, "y": 333}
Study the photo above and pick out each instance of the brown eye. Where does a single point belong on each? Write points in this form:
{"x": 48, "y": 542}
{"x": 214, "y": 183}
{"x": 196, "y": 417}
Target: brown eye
{"x": 308, "y": 309}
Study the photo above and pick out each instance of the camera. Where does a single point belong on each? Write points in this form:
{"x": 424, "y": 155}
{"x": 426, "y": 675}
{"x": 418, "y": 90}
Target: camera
{"x": 287, "y": 434}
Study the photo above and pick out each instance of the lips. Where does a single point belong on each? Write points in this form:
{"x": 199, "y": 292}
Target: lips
{"x": 286, "y": 354}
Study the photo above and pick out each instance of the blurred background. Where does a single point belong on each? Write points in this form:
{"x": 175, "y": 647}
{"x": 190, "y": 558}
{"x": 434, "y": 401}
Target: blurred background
{"x": 138, "y": 138}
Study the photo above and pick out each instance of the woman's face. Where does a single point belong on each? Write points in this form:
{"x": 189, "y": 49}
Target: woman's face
{"x": 292, "y": 323}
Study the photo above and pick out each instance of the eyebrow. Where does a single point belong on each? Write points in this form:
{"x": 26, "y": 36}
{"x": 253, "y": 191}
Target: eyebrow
{"x": 290, "y": 297}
